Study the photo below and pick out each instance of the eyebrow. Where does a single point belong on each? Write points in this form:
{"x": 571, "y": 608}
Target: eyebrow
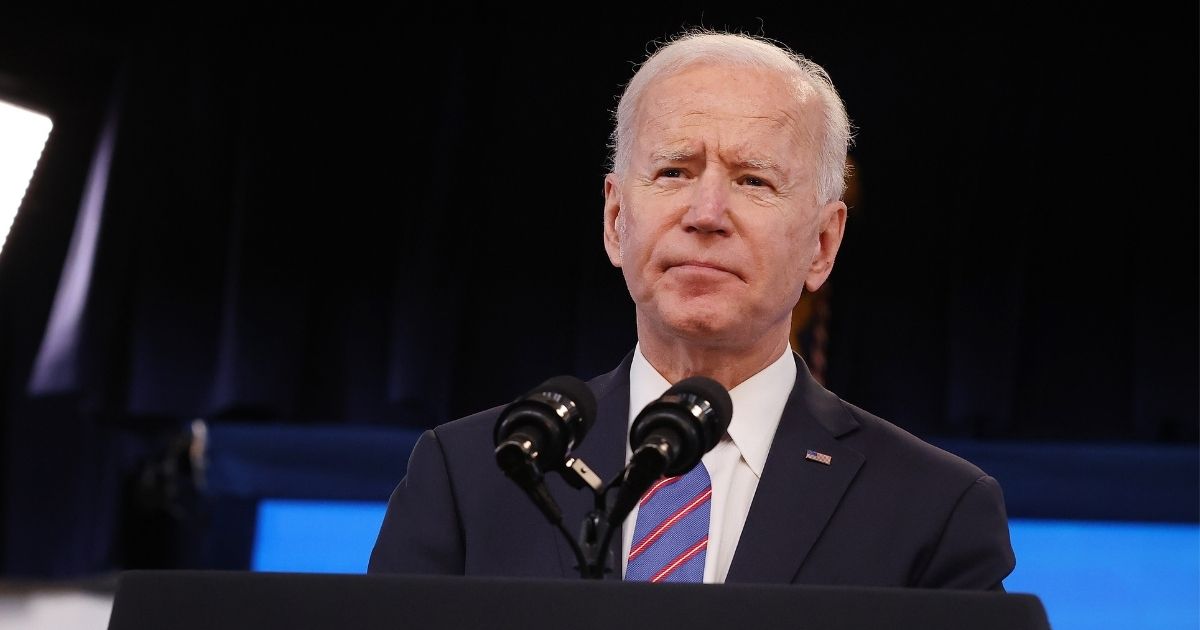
{"x": 763, "y": 164}
{"x": 672, "y": 155}
{"x": 685, "y": 155}
{"x": 759, "y": 164}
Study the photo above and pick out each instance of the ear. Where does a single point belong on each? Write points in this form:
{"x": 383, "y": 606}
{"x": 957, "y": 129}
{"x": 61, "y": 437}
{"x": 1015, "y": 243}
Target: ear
{"x": 832, "y": 226}
{"x": 612, "y": 218}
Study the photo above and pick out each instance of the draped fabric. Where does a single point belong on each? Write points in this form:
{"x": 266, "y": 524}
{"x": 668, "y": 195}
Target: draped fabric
{"x": 399, "y": 223}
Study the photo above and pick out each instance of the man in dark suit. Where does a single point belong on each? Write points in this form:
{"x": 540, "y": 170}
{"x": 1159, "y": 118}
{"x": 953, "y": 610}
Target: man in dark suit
{"x": 723, "y": 205}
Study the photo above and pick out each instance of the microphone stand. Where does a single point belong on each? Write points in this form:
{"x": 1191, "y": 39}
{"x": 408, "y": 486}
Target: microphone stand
{"x": 599, "y": 526}
{"x": 595, "y": 534}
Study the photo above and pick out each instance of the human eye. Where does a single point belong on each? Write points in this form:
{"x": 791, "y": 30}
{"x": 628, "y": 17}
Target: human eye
{"x": 755, "y": 181}
{"x": 671, "y": 172}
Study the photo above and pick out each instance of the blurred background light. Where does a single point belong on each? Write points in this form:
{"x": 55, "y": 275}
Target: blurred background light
{"x": 1089, "y": 574}
{"x": 315, "y": 536}
{"x": 1103, "y": 575}
{"x": 23, "y": 135}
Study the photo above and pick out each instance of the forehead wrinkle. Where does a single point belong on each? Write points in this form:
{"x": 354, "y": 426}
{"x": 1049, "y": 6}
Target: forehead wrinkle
{"x": 748, "y": 155}
{"x": 805, "y": 124}
{"x": 671, "y": 117}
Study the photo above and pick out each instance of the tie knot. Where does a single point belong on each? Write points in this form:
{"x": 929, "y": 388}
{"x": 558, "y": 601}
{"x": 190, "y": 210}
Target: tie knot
{"x": 694, "y": 481}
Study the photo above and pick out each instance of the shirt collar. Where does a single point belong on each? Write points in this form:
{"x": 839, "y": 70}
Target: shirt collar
{"x": 758, "y": 403}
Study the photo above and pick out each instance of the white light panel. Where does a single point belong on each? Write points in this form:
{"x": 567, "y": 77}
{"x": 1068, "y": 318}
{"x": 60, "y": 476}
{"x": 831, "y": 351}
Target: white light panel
{"x": 23, "y": 135}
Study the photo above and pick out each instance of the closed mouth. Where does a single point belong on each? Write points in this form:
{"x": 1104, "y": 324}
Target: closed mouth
{"x": 704, "y": 265}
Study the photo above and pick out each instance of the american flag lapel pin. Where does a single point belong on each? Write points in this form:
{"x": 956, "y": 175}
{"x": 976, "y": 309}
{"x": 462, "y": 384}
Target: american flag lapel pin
{"x": 820, "y": 458}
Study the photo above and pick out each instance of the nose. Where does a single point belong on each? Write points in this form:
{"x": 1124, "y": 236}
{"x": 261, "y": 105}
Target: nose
{"x": 708, "y": 209}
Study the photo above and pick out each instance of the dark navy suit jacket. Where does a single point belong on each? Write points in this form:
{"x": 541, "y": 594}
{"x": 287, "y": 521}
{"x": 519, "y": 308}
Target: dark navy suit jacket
{"x": 889, "y": 509}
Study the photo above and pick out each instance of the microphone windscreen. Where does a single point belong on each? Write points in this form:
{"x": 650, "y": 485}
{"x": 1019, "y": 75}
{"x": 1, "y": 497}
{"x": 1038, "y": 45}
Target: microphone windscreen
{"x": 712, "y": 391}
{"x": 577, "y": 391}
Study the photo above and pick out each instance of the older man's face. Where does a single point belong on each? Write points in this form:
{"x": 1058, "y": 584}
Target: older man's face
{"x": 716, "y": 223}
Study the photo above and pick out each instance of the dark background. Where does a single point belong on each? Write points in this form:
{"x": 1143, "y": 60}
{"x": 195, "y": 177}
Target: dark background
{"x": 397, "y": 221}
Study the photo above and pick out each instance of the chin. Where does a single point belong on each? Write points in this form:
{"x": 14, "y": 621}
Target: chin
{"x": 701, "y": 324}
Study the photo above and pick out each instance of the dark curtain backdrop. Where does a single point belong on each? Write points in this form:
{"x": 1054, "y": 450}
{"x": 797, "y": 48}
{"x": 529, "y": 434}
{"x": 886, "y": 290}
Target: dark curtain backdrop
{"x": 398, "y": 222}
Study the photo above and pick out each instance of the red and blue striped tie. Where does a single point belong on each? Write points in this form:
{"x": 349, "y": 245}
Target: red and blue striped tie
{"x": 671, "y": 534}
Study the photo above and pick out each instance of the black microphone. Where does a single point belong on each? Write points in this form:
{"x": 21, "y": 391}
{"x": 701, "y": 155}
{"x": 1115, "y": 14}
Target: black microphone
{"x": 670, "y": 436}
{"x": 534, "y": 434}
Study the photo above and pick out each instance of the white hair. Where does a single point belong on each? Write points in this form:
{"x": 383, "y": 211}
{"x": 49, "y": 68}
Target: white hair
{"x": 833, "y": 136}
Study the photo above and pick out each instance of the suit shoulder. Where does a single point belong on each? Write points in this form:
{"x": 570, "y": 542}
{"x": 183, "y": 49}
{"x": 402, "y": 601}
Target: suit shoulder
{"x": 892, "y": 443}
{"x": 472, "y": 428}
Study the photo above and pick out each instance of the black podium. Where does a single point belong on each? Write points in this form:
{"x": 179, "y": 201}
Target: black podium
{"x": 186, "y": 600}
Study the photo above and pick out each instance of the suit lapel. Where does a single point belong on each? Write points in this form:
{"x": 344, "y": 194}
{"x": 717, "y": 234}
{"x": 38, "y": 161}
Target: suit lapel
{"x": 603, "y": 449}
{"x": 796, "y": 496}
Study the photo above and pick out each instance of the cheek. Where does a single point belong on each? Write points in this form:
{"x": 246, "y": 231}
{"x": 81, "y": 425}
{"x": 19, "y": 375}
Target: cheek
{"x": 635, "y": 244}
{"x": 784, "y": 254}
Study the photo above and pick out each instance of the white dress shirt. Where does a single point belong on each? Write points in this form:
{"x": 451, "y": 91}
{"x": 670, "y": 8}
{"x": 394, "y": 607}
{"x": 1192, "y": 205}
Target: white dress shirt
{"x": 735, "y": 464}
